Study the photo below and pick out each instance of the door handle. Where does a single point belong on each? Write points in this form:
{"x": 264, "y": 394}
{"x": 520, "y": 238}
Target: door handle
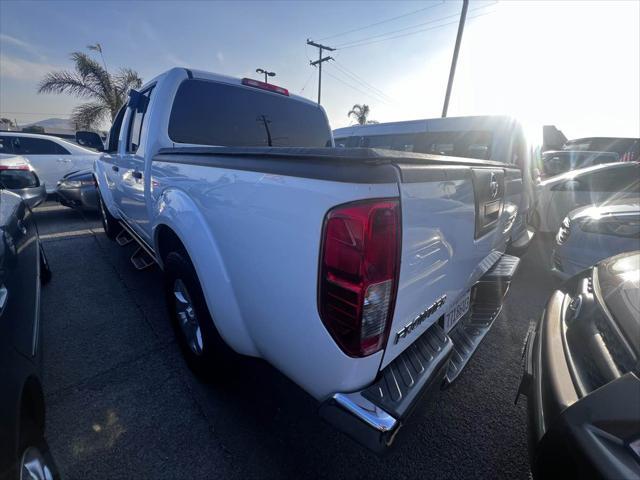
{"x": 63, "y": 160}
{"x": 136, "y": 174}
{"x": 114, "y": 168}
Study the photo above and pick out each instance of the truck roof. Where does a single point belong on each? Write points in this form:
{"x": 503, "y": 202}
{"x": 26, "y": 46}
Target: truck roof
{"x": 217, "y": 77}
{"x": 428, "y": 124}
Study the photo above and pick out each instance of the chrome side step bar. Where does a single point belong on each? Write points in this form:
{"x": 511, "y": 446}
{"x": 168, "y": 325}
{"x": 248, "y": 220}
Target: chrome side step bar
{"x": 143, "y": 256}
{"x": 124, "y": 238}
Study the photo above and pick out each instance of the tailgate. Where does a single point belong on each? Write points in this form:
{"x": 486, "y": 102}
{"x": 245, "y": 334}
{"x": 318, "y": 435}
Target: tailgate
{"x": 453, "y": 222}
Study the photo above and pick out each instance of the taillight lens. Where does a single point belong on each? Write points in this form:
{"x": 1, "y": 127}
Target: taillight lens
{"x": 359, "y": 274}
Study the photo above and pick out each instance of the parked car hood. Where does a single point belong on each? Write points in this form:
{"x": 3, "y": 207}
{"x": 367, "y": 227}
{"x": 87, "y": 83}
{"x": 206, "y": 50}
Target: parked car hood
{"x": 619, "y": 281}
{"x": 575, "y": 173}
{"x": 623, "y": 206}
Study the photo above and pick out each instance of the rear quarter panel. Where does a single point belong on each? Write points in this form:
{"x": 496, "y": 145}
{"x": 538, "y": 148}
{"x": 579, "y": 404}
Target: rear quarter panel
{"x": 258, "y": 264}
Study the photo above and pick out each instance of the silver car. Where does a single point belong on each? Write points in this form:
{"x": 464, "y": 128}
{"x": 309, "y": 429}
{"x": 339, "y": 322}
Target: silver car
{"x": 18, "y": 176}
{"x": 78, "y": 190}
{"x": 596, "y": 185}
{"x": 590, "y": 234}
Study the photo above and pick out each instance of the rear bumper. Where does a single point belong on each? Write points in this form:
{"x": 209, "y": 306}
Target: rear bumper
{"x": 373, "y": 416}
{"x": 562, "y": 267}
{"x": 520, "y": 245}
{"x": 85, "y": 197}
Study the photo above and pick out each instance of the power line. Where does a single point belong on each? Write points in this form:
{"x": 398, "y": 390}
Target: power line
{"x": 307, "y": 81}
{"x": 416, "y": 32}
{"x": 365, "y": 88}
{"x": 435, "y": 20}
{"x": 360, "y": 80}
{"x": 368, "y": 94}
{"x": 383, "y": 21}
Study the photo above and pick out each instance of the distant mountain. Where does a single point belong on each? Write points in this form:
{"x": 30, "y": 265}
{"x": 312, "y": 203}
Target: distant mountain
{"x": 54, "y": 124}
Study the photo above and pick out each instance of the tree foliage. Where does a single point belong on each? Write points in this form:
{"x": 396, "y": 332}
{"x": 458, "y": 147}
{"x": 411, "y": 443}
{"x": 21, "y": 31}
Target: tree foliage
{"x": 360, "y": 114}
{"x": 90, "y": 80}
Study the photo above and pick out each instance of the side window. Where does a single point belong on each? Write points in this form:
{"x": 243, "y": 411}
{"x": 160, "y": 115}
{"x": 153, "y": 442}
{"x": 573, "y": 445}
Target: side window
{"x": 518, "y": 151}
{"x": 6, "y": 144}
{"x": 114, "y": 132}
{"x": 621, "y": 179}
{"x": 37, "y": 146}
{"x": 137, "y": 120}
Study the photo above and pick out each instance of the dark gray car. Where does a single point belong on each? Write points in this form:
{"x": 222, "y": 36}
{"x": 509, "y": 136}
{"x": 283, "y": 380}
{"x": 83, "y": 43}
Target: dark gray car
{"x": 78, "y": 190}
{"x": 23, "y": 450}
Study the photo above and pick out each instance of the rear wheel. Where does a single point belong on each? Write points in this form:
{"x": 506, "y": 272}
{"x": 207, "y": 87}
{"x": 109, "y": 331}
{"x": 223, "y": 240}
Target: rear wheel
{"x": 110, "y": 223}
{"x": 205, "y": 351}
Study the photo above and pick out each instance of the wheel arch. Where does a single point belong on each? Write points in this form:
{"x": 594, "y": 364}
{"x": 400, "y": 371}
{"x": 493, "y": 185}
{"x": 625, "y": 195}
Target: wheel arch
{"x": 178, "y": 224}
{"x": 32, "y": 405}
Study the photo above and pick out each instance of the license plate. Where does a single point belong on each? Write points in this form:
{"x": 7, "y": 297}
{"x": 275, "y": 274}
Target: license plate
{"x": 457, "y": 312}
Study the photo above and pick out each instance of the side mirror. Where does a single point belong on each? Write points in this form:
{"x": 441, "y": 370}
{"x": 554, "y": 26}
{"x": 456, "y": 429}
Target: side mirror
{"x": 90, "y": 140}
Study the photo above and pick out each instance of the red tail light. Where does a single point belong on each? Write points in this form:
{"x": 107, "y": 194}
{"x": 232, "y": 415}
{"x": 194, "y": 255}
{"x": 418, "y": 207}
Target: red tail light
{"x": 359, "y": 274}
{"x": 14, "y": 167}
{"x": 265, "y": 86}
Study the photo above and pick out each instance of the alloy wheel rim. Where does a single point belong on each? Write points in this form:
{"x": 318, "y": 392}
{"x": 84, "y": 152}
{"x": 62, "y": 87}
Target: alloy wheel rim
{"x": 33, "y": 466}
{"x": 187, "y": 318}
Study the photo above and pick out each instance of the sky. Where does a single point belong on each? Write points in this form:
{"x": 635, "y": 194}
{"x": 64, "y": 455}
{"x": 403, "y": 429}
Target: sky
{"x": 574, "y": 64}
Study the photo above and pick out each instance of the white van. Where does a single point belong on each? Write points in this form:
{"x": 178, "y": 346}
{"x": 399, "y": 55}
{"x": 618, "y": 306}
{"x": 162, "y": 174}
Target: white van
{"x": 499, "y": 138}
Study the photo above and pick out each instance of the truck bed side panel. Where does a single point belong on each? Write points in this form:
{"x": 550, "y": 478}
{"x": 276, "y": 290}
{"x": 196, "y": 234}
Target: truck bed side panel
{"x": 267, "y": 228}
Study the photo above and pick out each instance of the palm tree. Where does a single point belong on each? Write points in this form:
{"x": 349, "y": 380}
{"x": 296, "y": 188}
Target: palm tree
{"x": 360, "y": 113}
{"x": 91, "y": 80}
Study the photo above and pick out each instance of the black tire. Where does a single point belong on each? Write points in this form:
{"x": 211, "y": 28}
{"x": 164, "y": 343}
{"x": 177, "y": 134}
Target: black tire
{"x": 214, "y": 360}
{"x": 110, "y": 223}
{"x": 34, "y": 446}
{"x": 45, "y": 269}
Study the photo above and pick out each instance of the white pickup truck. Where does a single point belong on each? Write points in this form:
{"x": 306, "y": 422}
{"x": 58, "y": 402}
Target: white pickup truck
{"x": 368, "y": 277}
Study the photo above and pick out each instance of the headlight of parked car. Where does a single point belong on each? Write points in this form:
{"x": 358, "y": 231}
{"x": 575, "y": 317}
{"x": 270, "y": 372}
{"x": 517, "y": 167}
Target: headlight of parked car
{"x": 621, "y": 227}
{"x": 564, "y": 231}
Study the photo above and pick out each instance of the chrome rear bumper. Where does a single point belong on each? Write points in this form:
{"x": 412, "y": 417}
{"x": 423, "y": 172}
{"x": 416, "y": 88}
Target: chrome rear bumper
{"x": 374, "y": 415}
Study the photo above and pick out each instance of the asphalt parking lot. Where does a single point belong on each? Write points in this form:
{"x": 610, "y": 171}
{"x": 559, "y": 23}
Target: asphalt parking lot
{"x": 122, "y": 404}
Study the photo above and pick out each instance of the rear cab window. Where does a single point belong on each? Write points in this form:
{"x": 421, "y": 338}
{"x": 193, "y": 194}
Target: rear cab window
{"x": 211, "y": 113}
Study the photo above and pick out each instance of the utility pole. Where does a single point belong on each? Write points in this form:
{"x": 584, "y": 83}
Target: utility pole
{"x": 266, "y": 74}
{"x": 319, "y": 62}
{"x": 454, "y": 61}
